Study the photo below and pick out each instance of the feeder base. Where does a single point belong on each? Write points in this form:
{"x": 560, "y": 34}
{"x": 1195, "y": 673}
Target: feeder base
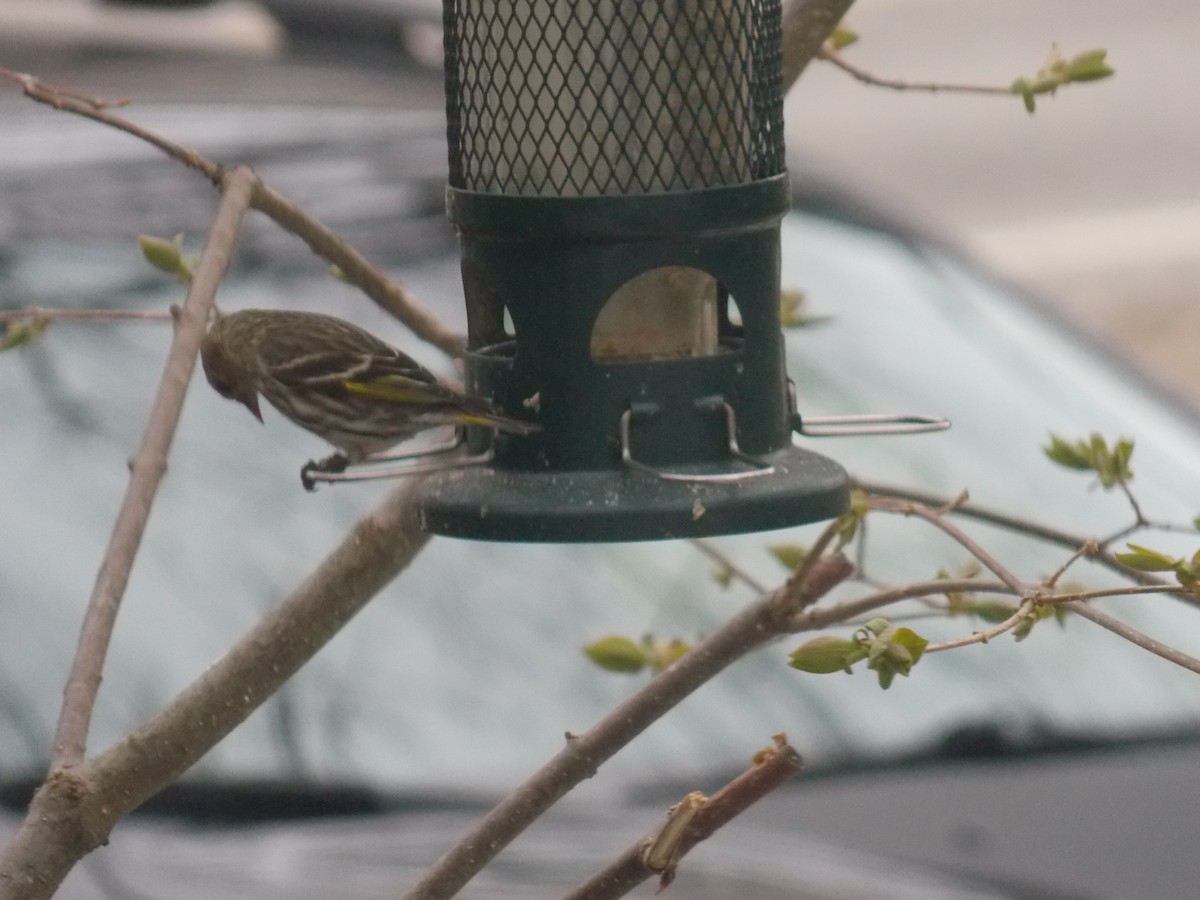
{"x": 485, "y": 503}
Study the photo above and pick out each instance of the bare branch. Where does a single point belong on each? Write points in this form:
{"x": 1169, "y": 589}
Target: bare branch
{"x": 729, "y": 566}
{"x": 754, "y": 626}
{"x": 91, "y": 315}
{"x": 829, "y": 54}
{"x": 97, "y": 111}
{"x": 148, "y": 468}
{"x": 391, "y": 297}
{"x": 1131, "y": 634}
{"x": 824, "y": 616}
{"x": 1147, "y": 589}
{"x": 1088, "y": 548}
{"x": 73, "y": 812}
{"x": 1026, "y": 527}
{"x": 806, "y": 25}
{"x": 692, "y": 820}
{"x": 982, "y": 637}
{"x": 935, "y": 518}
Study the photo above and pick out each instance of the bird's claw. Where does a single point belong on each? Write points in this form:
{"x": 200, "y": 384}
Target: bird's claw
{"x": 330, "y": 465}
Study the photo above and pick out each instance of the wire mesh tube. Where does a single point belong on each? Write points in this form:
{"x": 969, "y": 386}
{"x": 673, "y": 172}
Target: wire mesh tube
{"x": 584, "y": 98}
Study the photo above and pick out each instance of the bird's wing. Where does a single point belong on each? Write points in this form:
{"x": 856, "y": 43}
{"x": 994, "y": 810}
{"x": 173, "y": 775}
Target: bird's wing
{"x": 394, "y": 377}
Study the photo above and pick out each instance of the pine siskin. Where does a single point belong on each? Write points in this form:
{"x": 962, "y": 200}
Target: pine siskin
{"x": 336, "y": 380}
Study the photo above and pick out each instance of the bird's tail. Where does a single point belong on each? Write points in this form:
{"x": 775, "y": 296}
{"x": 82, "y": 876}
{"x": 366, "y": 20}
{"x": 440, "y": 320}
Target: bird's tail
{"x": 481, "y": 415}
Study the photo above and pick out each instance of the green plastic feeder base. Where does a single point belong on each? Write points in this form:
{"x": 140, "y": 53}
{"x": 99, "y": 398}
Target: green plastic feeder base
{"x": 484, "y": 503}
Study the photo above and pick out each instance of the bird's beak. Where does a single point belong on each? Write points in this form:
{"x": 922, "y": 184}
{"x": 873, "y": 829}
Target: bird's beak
{"x": 251, "y": 403}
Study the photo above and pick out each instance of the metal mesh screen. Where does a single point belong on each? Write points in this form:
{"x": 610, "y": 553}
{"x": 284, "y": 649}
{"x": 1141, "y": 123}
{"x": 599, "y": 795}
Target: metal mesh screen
{"x": 610, "y": 97}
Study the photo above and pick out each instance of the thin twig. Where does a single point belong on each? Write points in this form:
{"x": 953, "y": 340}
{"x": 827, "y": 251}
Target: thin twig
{"x": 660, "y": 852}
{"x": 1139, "y": 590}
{"x": 103, "y": 315}
{"x": 74, "y": 810}
{"x": 1088, "y": 548}
{"x": 829, "y": 54}
{"x": 982, "y": 637}
{"x": 148, "y": 467}
{"x": 729, "y": 566}
{"x": 96, "y": 110}
{"x": 935, "y": 518}
{"x": 824, "y": 616}
{"x": 1022, "y": 526}
{"x": 815, "y": 553}
{"x": 391, "y": 297}
{"x": 753, "y": 627}
{"x": 1131, "y": 634}
{"x": 1137, "y": 509}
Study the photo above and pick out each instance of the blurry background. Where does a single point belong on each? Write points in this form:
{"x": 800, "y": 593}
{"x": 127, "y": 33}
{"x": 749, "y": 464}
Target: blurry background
{"x": 1094, "y": 202}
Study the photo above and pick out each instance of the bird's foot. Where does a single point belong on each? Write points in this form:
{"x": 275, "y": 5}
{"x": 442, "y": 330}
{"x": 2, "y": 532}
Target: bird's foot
{"x": 334, "y": 464}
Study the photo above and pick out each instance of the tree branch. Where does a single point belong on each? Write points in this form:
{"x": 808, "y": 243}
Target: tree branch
{"x": 91, "y": 315}
{"x": 982, "y": 637}
{"x": 830, "y": 55}
{"x": 148, "y": 468}
{"x": 1019, "y": 526}
{"x": 660, "y": 851}
{"x": 806, "y": 25}
{"x": 1117, "y": 627}
{"x": 391, "y": 297}
{"x": 74, "y": 810}
{"x": 728, "y": 565}
{"x": 766, "y": 618}
{"x": 935, "y": 518}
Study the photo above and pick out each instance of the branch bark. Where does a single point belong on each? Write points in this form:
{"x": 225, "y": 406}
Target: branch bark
{"x": 75, "y": 809}
{"x": 772, "y": 767}
{"x": 148, "y": 468}
{"x": 768, "y": 617}
{"x": 388, "y": 295}
{"x": 807, "y": 24}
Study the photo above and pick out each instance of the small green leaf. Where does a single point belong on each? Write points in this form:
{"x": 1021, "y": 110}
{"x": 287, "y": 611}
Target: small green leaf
{"x": 1196, "y": 523}
{"x": 793, "y": 311}
{"x": 790, "y": 555}
{"x": 1073, "y": 455}
{"x": 877, "y": 625}
{"x": 848, "y": 524}
{"x": 842, "y": 37}
{"x": 18, "y": 332}
{"x": 723, "y": 575}
{"x": 1024, "y": 628}
{"x": 826, "y": 654}
{"x": 912, "y": 642}
{"x": 166, "y": 255}
{"x": 1022, "y": 86}
{"x": 617, "y": 654}
{"x": 1146, "y": 560}
{"x": 1090, "y": 65}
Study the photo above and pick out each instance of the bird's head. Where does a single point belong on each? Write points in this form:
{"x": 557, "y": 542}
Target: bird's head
{"x": 229, "y": 376}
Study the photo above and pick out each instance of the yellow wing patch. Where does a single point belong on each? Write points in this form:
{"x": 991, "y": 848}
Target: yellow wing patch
{"x": 398, "y": 390}
{"x": 401, "y": 390}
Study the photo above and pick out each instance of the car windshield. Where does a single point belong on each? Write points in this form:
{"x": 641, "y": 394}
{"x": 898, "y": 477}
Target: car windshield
{"x": 470, "y": 648}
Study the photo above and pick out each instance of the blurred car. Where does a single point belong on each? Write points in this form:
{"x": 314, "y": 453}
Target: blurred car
{"x": 1003, "y": 770}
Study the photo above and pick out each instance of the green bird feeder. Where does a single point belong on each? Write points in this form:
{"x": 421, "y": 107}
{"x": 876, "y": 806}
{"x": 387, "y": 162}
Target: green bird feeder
{"x": 617, "y": 181}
